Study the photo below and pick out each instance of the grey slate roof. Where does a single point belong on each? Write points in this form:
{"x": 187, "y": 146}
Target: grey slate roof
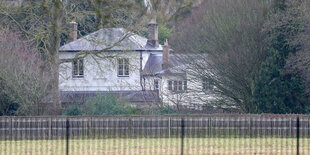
{"x": 129, "y": 96}
{"x": 106, "y": 37}
{"x": 154, "y": 65}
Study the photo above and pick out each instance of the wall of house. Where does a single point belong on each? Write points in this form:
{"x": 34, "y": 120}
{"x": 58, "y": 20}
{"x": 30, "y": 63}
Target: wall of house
{"x": 100, "y": 74}
{"x": 194, "y": 97}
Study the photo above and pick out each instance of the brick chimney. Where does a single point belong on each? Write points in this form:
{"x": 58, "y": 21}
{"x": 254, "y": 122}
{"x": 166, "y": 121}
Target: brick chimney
{"x": 73, "y": 31}
{"x": 166, "y": 55}
{"x": 153, "y": 34}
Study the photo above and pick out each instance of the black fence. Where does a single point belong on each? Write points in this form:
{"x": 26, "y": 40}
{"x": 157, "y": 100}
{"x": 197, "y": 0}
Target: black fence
{"x": 182, "y": 134}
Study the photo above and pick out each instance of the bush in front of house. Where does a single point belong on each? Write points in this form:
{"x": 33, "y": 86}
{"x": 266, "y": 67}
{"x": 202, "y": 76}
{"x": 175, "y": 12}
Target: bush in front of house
{"x": 162, "y": 110}
{"x": 101, "y": 105}
{"x": 74, "y": 109}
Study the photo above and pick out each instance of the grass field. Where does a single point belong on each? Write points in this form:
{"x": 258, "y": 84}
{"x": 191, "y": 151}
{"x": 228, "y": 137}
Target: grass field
{"x": 163, "y": 146}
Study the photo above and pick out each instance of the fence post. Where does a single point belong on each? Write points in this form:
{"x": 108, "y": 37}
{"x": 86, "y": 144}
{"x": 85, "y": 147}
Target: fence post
{"x": 130, "y": 128}
{"x": 169, "y": 127}
{"x": 11, "y": 128}
{"x": 182, "y": 136}
{"x": 67, "y": 136}
{"x": 50, "y": 128}
{"x": 297, "y": 132}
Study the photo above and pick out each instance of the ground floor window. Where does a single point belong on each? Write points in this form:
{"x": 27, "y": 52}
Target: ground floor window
{"x": 174, "y": 85}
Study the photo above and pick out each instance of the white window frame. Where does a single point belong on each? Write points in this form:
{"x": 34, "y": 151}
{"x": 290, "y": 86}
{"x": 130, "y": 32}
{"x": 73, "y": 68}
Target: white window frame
{"x": 177, "y": 85}
{"x": 78, "y": 69}
{"x": 123, "y": 67}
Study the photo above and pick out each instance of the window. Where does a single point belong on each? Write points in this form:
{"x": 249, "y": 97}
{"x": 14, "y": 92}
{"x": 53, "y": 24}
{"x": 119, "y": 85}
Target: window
{"x": 206, "y": 84}
{"x": 123, "y": 67}
{"x": 185, "y": 85}
{"x": 170, "y": 85}
{"x": 177, "y": 85}
{"x": 78, "y": 68}
{"x": 180, "y": 85}
{"x": 156, "y": 84}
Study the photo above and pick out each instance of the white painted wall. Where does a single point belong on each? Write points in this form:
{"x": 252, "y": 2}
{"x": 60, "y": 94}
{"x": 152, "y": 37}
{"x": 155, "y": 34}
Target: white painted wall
{"x": 101, "y": 74}
{"x": 193, "y": 97}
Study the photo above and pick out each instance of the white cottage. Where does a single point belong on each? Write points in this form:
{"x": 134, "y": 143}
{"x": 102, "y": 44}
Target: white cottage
{"x": 116, "y": 61}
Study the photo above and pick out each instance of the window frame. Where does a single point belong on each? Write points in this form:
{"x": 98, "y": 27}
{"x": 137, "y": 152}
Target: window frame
{"x": 177, "y": 85}
{"x": 124, "y": 69}
{"x": 78, "y": 68}
{"x": 156, "y": 84}
{"x": 206, "y": 85}
{"x": 170, "y": 85}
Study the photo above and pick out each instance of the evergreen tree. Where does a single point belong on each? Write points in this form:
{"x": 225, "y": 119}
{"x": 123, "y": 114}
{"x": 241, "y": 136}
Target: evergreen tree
{"x": 276, "y": 91}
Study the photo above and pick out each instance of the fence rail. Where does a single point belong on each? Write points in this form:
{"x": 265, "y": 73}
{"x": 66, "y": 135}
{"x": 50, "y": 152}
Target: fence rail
{"x": 208, "y": 134}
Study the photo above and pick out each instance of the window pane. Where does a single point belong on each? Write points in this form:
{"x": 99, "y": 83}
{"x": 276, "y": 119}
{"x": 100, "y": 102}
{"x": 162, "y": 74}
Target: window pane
{"x": 185, "y": 85}
{"x": 120, "y": 72}
{"x": 126, "y": 61}
{"x": 175, "y": 85}
{"x": 180, "y": 85}
{"x": 126, "y": 69}
{"x": 120, "y": 61}
{"x": 81, "y": 67}
{"x": 204, "y": 84}
{"x": 120, "y": 67}
{"x": 156, "y": 84}
{"x": 170, "y": 85}
{"x": 75, "y": 67}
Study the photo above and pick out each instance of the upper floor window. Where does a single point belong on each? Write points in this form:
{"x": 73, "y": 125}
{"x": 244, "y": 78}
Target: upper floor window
{"x": 206, "y": 84}
{"x": 156, "y": 84}
{"x": 123, "y": 67}
{"x": 78, "y": 68}
{"x": 177, "y": 85}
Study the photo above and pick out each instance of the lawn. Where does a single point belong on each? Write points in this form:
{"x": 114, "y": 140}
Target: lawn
{"x": 157, "y": 146}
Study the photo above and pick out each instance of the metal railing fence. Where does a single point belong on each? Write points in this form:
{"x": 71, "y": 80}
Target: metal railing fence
{"x": 174, "y": 134}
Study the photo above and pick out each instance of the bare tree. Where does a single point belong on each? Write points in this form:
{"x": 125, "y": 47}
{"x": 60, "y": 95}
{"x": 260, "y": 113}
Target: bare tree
{"x": 223, "y": 42}
{"x": 21, "y": 77}
{"x": 44, "y": 24}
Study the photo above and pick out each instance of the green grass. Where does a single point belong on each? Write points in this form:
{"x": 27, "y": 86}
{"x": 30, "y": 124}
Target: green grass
{"x": 164, "y": 146}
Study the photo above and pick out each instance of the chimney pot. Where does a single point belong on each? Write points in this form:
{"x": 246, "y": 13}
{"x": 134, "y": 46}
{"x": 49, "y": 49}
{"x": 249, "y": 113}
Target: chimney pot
{"x": 153, "y": 33}
{"x": 73, "y": 31}
{"x": 166, "y": 55}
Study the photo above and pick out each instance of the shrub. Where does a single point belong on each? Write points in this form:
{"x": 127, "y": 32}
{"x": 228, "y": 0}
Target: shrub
{"x": 107, "y": 105}
{"x": 74, "y": 109}
{"x": 162, "y": 110}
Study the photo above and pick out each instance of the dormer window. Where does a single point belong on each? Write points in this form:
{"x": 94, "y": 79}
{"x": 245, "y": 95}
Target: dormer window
{"x": 123, "y": 67}
{"x": 78, "y": 68}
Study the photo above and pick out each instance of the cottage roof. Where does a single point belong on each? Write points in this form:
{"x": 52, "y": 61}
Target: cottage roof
{"x": 107, "y": 37}
{"x": 154, "y": 65}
